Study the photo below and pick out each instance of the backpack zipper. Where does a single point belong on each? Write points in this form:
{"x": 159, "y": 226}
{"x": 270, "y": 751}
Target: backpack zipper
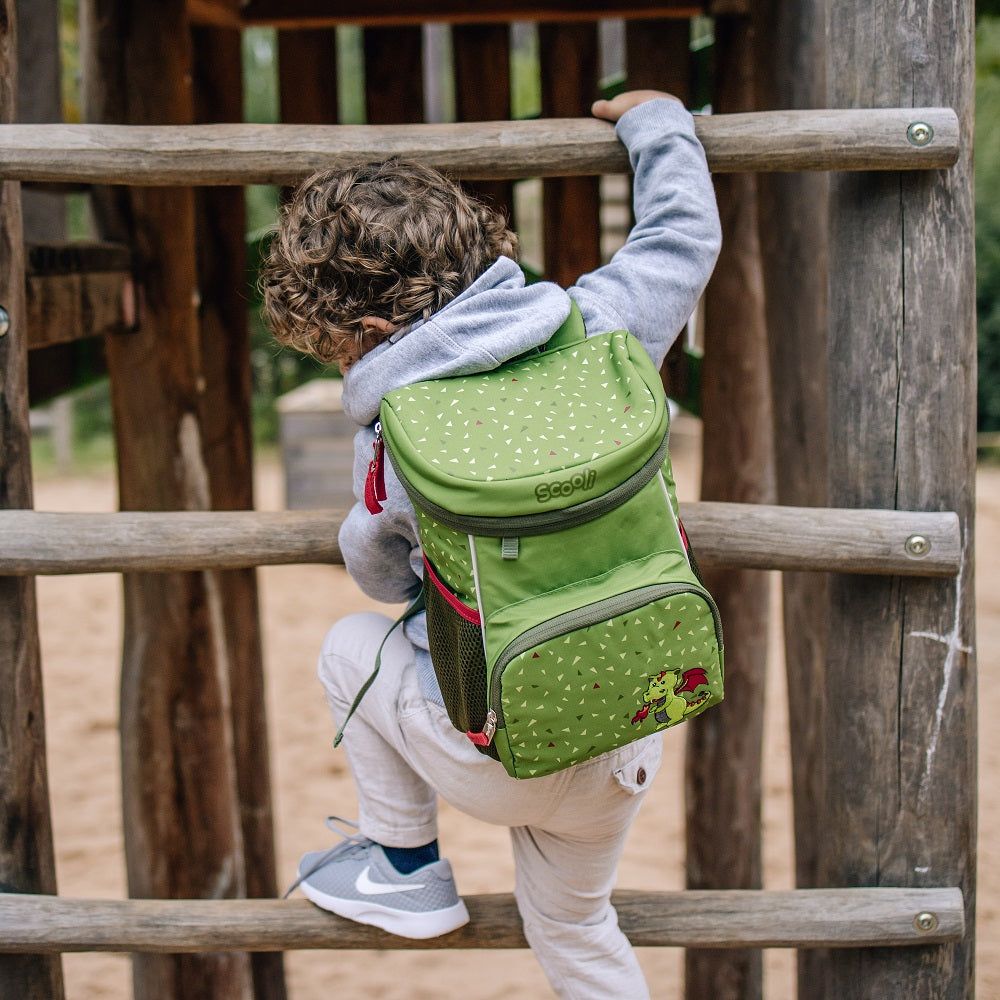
{"x": 544, "y": 521}
{"x": 592, "y": 614}
{"x": 375, "y": 480}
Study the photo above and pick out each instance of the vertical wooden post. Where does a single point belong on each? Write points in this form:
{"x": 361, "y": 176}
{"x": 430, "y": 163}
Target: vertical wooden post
{"x": 394, "y": 82}
{"x": 723, "y": 759}
{"x": 658, "y": 56}
{"x": 39, "y": 99}
{"x": 27, "y": 862}
{"x": 307, "y": 76}
{"x": 228, "y": 447}
{"x": 183, "y": 836}
{"x": 900, "y": 681}
{"x": 571, "y": 227}
{"x": 793, "y": 223}
{"x": 481, "y": 54}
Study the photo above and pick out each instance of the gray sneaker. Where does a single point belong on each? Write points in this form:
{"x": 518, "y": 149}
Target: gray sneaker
{"x": 356, "y": 880}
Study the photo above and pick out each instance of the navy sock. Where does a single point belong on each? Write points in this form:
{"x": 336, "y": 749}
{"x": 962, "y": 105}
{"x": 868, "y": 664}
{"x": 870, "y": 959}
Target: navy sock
{"x": 409, "y": 859}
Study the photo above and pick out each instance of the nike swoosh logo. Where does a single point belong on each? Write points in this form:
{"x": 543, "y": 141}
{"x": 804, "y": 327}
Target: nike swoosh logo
{"x": 367, "y": 887}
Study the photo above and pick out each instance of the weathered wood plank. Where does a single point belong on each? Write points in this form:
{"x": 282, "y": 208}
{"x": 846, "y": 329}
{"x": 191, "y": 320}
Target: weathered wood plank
{"x": 76, "y": 257}
{"x": 862, "y": 139}
{"x": 316, "y": 13}
{"x": 728, "y": 534}
{"x": 78, "y": 290}
{"x": 863, "y": 917}
{"x": 902, "y": 350}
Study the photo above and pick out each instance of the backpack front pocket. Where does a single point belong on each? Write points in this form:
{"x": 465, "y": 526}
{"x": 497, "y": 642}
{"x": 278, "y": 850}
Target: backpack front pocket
{"x": 601, "y": 676}
{"x": 455, "y": 638}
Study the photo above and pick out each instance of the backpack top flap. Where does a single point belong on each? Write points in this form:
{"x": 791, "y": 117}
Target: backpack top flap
{"x": 543, "y": 432}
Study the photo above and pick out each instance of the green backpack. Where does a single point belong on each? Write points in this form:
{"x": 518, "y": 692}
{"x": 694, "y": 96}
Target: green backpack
{"x": 565, "y": 613}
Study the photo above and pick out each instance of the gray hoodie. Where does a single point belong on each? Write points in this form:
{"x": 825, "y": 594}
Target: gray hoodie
{"x": 650, "y": 287}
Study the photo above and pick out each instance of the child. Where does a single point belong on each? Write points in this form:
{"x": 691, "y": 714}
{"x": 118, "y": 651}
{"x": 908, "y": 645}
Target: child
{"x": 397, "y": 275}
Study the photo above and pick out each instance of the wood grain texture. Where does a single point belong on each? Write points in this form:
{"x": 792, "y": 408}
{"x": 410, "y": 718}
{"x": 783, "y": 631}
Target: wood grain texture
{"x": 864, "y": 917}
{"x": 901, "y": 352}
{"x": 863, "y": 139}
{"x": 791, "y": 66}
{"x": 756, "y": 536}
{"x": 77, "y": 290}
{"x": 27, "y": 862}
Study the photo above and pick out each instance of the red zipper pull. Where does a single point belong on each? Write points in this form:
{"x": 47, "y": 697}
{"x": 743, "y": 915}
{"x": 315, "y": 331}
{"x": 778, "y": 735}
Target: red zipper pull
{"x": 485, "y": 738}
{"x": 375, "y": 480}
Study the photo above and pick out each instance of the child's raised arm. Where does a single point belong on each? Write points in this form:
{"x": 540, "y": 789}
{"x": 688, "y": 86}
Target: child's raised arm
{"x": 652, "y": 284}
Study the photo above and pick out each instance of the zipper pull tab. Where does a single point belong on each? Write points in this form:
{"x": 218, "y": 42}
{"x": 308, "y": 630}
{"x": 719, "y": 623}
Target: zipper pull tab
{"x": 485, "y": 738}
{"x": 375, "y": 480}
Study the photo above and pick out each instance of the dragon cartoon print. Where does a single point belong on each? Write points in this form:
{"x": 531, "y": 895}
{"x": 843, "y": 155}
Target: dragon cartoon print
{"x": 664, "y": 695}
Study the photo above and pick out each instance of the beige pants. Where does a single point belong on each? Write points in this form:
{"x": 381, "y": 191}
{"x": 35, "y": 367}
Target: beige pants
{"x": 567, "y": 829}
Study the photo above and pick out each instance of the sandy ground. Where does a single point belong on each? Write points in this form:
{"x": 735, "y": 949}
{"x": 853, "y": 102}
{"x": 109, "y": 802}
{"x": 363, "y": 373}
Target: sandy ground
{"x": 80, "y": 630}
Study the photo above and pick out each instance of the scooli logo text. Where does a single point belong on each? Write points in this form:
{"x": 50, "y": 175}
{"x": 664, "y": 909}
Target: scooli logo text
{"x": 565, "y": 487}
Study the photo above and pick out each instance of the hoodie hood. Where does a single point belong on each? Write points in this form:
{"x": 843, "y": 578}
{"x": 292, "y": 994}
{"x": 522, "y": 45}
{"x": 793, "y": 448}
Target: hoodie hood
{"x": 496, "y": 318}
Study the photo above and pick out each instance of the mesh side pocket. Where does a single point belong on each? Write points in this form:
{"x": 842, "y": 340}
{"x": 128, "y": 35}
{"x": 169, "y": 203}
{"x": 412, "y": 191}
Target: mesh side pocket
{"x": 456, "y": 647}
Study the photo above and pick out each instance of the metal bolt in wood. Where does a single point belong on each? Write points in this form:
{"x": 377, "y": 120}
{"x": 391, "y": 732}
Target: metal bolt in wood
{"x": 917, "y": 546}
{"x": 920, "y": 133}
{"x": 925, "y": 921}
{"x": 4, "y": 321}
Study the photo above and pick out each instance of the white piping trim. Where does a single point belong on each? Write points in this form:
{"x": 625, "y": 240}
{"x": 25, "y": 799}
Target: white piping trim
{"x": 673, "y": 517}
{"x": 479, "y": 596}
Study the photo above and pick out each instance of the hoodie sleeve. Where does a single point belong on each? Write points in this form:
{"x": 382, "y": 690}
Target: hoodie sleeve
{"x": 653, "y": 283}
{"x": 381, "y": 551}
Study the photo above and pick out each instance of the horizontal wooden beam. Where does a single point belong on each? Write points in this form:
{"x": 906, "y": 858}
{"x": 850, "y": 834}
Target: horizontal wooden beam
{"x": 804, "y": 918}
{"x": 76, "y": 291}
{"x": 216, "y": 13}
{"x": 742, "y": 535}
{"x": 328, "y": 13}
{"x": 76, "y": 257}
{"x": 863, "y": 139}
{"x": 880, "y": 542}
{"x": 38, "y": 543}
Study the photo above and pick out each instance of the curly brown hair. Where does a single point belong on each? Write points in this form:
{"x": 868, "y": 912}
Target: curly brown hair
{"x": 392, "y": 240}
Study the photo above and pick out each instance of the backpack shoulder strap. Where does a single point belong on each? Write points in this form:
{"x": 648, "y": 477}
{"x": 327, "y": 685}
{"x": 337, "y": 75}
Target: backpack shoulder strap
{"x": 571, "y": 332}
{"x": 413, "y": 608}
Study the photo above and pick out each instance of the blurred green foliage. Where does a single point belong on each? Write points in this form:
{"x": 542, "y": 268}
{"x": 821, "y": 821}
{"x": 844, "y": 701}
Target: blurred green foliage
{"x": 987, "y": 168}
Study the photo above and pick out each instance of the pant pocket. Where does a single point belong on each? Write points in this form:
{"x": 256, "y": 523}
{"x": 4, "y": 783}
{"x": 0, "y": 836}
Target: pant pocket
{"x": 638, "y": 771}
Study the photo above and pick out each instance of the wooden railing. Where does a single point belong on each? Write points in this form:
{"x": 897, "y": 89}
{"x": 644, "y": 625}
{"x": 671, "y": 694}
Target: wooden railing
{"x": 804, "y": 918}
{"x": 766, "y": 141}
{"x": 757, "y": 536}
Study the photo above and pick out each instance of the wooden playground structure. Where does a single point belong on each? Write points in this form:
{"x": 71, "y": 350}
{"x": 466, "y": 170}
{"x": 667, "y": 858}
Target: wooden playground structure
{"x": 837, "y": 395}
